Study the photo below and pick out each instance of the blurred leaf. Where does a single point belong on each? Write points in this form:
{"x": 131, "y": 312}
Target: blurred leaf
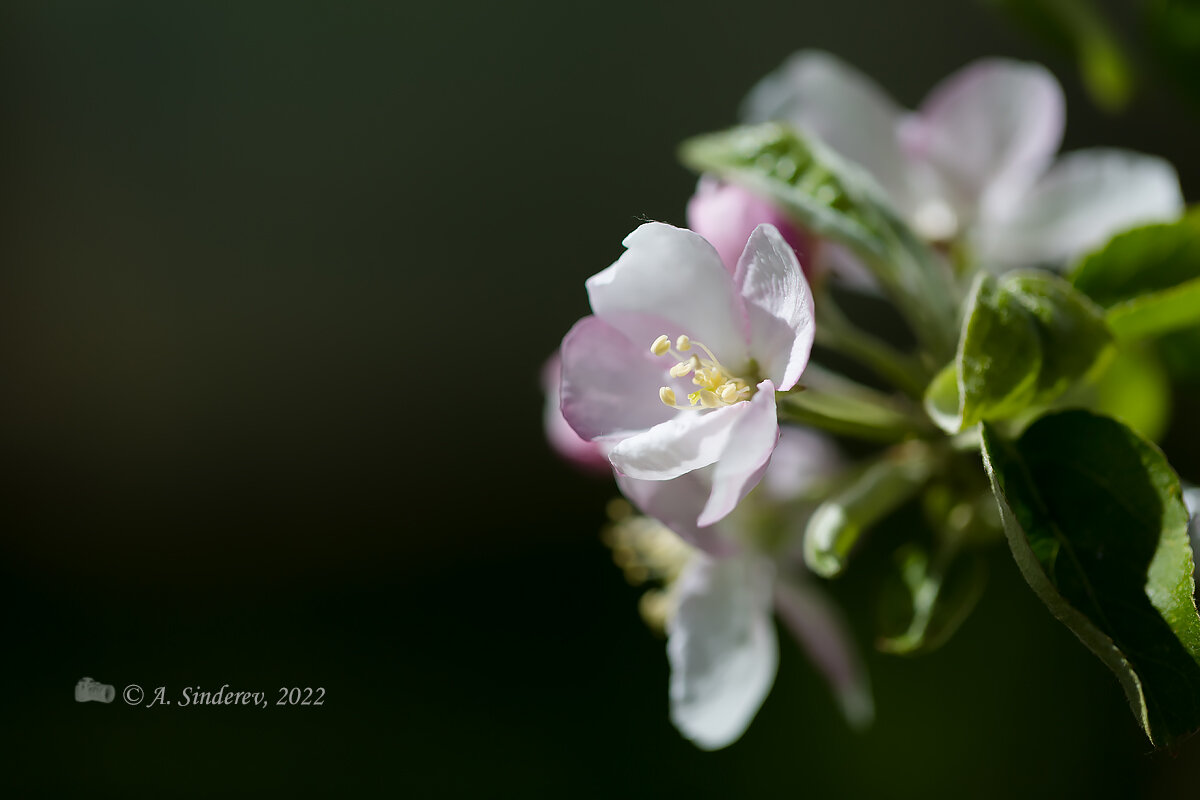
{"x": 839, "y": 405}
{"x": 923, "y": 603}
{"x": 1147, "y": 278}
{"x": 837, "y": 524}
{"x": 1077, "y": 28}
{"x": 1134, "y": 388}
{"x": 1096, "y": 522}
{"x": 836, "y": 200}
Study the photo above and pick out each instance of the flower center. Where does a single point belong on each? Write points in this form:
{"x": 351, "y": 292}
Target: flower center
{"x": 718, "y": 386}
{"x": 935, "y": 221}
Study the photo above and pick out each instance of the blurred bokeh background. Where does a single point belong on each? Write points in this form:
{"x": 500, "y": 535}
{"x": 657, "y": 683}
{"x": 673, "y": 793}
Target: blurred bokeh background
{"x": 278, "y": 279}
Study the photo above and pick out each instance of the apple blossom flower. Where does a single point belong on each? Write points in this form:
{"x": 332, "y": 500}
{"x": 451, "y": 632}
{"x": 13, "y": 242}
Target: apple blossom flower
{"x": 718, "y": 611}
{"x": 677, "y": 368}
{"x": 975, "y": 164}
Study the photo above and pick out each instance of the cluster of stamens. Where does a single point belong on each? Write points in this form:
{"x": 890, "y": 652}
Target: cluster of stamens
{"x": 648, "y": 553}
{"x": 718, "y": 386}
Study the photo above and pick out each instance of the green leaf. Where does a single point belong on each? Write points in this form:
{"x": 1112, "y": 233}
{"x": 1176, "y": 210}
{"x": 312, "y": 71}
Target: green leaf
{"x": 943, "y": 399}
{"x": 923, "y": 603}
{"x": 999, "y": 357}
{"x": 837, "y": 524}
{"x": 1148, "y": 278}
{"x": 800, "y": 174}
{"x": 1072, "y": 330}
{"x": 1096, "y": 522}
{"x": 996, "y": 370}
{"x": 837, "y": 200}
{"x": 1026, "y": 338}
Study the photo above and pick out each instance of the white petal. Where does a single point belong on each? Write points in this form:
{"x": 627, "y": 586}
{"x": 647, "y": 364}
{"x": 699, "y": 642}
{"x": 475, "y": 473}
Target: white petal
{"x": 687, "y": 441}
{"x": 722, "y": 648}
{"x": 673, "y": 274}
{"x": 677, "y": 504}
{"x": 1084, "y": 200}
{"x": 989, "y": 129}
{"x": 822, "y": 94}
{"x": 742, "y": 464}
{"x": 609, "y": 385}
{"x": 821, "y": 630}
{"x": 779, "y": 306}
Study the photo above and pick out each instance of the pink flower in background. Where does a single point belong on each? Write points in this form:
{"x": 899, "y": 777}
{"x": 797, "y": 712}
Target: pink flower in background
{"x": 677, "y": 368}
{"x": 976, "y": 162}
{"x": 726, "y": 215}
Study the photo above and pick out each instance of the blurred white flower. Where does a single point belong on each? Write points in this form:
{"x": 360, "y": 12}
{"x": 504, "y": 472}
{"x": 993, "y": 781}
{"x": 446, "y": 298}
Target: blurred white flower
{"x": 717, "y": 609}
{"x": 975, "y": 163}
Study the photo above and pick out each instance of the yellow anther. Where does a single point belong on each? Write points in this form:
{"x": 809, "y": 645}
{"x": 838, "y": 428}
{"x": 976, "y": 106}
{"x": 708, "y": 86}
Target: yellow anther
{"x": 618, "y": 509}
{"x": 684, "y": 367}
{"x": 708, "y": 399}
{"x": 683, "y": 343}
{"x": 661, "y": 345}
{"x": 667, "y": 395}
{"x": 730, "y": 393}
{"x": 694, "y": 398}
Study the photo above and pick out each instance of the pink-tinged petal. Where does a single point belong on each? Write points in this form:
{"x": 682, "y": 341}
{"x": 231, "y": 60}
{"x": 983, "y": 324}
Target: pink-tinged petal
{"x": 689, "y": 440}
{"x": 589, "y": 456}
{"x": 726, "y": 214}
{"x": 1083, "y": 200}
{"x": 675, "y": 275}
{"x": 745, "y": 458}
{"x": 779, "y": 306}
{"x": 802, "y": 458}
{"x": 677, "y": 504}
{"x": 821, "y": 630}
{"x": 722, "y": 648}
{"x": 609, "y": 385}
{"x": 822, "y": 94}
{"x": 990, "y": 128}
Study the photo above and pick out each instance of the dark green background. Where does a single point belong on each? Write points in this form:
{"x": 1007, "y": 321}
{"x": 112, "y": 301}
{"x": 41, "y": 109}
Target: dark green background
{"x": 277, "y": 282}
